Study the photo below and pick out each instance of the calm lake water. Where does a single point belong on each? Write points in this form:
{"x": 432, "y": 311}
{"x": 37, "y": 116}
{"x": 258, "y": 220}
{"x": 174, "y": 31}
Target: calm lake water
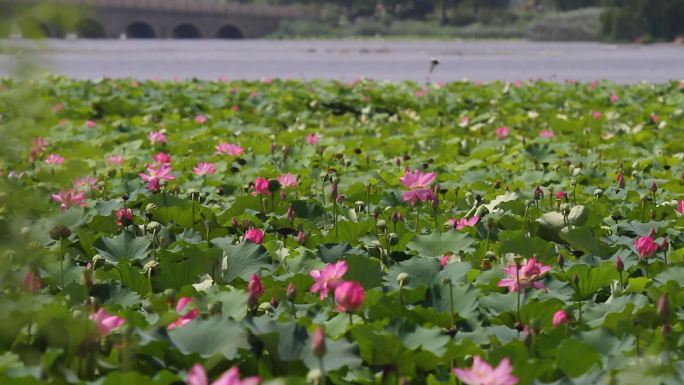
{"x": 349, "y": 59}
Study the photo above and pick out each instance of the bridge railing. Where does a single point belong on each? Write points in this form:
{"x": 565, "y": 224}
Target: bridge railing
{"x": 281, "y": 11}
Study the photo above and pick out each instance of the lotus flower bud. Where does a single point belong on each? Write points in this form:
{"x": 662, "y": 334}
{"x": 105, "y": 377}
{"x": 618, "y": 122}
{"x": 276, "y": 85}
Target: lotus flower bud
{"x": 654, "y": 187}
{"x": 290, "y": 214}
{"x": 318, "y": 342}
{"x": 561, "y": 261}
{"x": 301, "y": 237}
{"x": 397, "y": 217}
{"x": 663, "y": 307}
{"x": 291, "y": 292}
{"x": 619, "y": 265}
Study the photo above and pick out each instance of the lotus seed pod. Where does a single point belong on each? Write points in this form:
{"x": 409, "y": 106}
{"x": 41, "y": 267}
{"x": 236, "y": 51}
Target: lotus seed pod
{"x": 403, "y": 278}
{"x": 25, "y": 232}
{"x": 393, "y": 239}
{"x": 382, "y": 225}
{"x": 59, "y": 232}
{"x": 598, "y": 192}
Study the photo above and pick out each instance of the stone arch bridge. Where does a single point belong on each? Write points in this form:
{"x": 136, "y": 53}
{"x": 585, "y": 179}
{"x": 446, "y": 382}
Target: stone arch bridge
{"x": 179, "y": 19}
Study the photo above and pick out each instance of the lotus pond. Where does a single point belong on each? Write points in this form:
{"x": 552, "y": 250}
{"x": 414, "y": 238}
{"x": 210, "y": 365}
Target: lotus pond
{"x": 285, "y": 232}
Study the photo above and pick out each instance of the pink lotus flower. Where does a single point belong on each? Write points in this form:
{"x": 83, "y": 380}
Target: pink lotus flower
{"x": 200, "y": 119}
{"x": 69, "y": 198}
{"x": 229, "y": 149}
{"x": 204, "y": 168}
{"x": 349, "y": 296}
{"x": 529, "y": 276}
{"x": 288, "y": 180}
{"x": 328, "y": 278}
{"x": 502, "y": 132}
{"x": 162, "y": 158}
{"x": 254, "y": 235}
{"x": 106, "y": 322}
{"x": 614, "y": 98}
{"x": 186, "y": 310}
{"x": 418, "y": 184}
{"x": 235, "y": 108}
{"x": 156, "y": 175}
{"x": 57, "y": 108}
{"x": 91, "y": 124}
{"x": 312, "y": 139}
{"x": 261, "y": 186}
{"x": 54, "y": 160}
{"x": 421, "y": 92}
{"x": 680, "y": 207}
{"x": 86, "y": 182}
{"x": 124, "y": 217}
{"x": 561, "y": 195}
{"x": 546, "y": 134}
{"x": 37, "y": 147}
{"x": 463, "y": 222}
{"x": 559, "y": 318}
{"x": 32, "y": 282}
{"x": 646, "y": 246}
{"x": 198, "y": 376}
{"x": 597, "y": 115}
{"x": 483, "y": 374}
{"x": 156, "y": 137}
{"x": 655, "y": 118}
{"x": 255, "y": 288}
{"x": 115, "y": 160}
{"x": 464, "y": 121}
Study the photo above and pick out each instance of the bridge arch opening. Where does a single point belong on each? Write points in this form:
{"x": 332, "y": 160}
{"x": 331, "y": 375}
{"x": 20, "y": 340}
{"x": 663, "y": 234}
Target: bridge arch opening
{"x": 229, "y": 32}
{"x": 186, "y": 31}
{"x": 140, "y": 30}
{"x": 32, "y": 28}
{"x": 90, "y": 29}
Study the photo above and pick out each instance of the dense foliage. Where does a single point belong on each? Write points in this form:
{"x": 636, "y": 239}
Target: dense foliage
{"x": 321, "y": 232}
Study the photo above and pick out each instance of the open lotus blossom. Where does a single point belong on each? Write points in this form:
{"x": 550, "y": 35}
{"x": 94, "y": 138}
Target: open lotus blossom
{"x": 529, "y": 276}
{"x": 201, "y": 119}
{"x": 204, "y": 168}
{"x": 261, "y": 186}
{"x": 54, "y": 160}
{"x": 288, "y": 180}
{"x": 546, "y": 134}
{"x": 680, "y": 207}
{"x": 106, "y": 322}
{"x": 198, "y": 376}
{"x": 37, "y": 147}
{"x": 229, "y": 149}
{"x": 559, "y": 318}
{"x": 419, "y": 186}
{"x": 502, "y": 132}
{"x": 482, "y": 373}
{"x": 156, "y": 137}
{"x": 459, "y": 224}
{"x": 614, "y": 98}
{"x": 115, "y": 160}
{"x": 464, "y": 121}
{"x": 155, "y": 175}
{"x": 91, "y": 124}
{"x": 162, "y": 158}
{"x": 69, "y": 198}
{"x": 32, "y": 282}
{"x": 328, "y": 278}
{"x": 254, "y": 235}
{"x": 646, "y": 246}
{"x": 349, "y": 296}
{"x": 597, "y": 115}
{"x": 86, "y": 182}
{"x": 561, "y": 195}
{"x": 187, "y": 312}
{"x": 313, "y": 139}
